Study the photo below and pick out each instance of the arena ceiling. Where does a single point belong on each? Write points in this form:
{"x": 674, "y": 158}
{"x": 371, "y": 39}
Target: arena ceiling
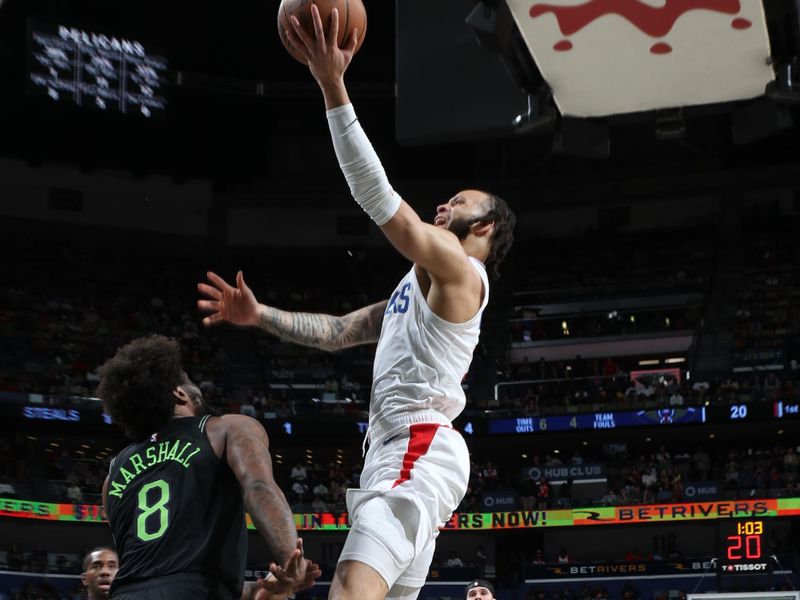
{"x": 238, "y": 102}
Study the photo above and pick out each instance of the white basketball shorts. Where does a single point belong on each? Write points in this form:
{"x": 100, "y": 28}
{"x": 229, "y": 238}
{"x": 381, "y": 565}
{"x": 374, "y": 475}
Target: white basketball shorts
{"x": 410, "y": 486}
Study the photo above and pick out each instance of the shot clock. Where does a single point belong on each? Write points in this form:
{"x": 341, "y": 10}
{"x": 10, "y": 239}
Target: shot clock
{"x": 744, "y": 547}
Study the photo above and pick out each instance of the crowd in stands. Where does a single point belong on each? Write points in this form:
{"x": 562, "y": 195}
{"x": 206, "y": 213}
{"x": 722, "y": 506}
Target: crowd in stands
{"x": 58, "y": 324}
{"x": 768, "y": 311}
{"x": 629, "y": 591}
{"x": 584, "y": 325}
{"x": 655, "y": 476}
{"x": 39, "y": 469}
{"x": 590, "y": 385}
{"x": 660, "y": 476}
{"x": 70, "y": 472}
{"x": 39, "y": 560}
{"x": 27, "y": 559}
{"x": 313, "y": 488}
{"x": 600, "y": 264}
{"x": 590, "y": 592}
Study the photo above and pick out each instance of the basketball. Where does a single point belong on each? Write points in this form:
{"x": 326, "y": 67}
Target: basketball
{"x": 352, "y": 15}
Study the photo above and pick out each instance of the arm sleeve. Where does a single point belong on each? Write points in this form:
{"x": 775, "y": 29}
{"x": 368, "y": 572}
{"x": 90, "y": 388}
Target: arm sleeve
{"x": 361, "y": 166}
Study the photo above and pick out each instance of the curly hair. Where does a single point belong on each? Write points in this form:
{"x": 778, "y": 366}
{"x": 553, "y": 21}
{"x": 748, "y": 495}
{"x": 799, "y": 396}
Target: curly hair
{"x": 503, "y": 236}
{"x": 136, "y": 385}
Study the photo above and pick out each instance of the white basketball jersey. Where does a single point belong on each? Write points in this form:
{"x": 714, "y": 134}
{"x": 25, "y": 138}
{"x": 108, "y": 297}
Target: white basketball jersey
{"x": 421, "y": 360}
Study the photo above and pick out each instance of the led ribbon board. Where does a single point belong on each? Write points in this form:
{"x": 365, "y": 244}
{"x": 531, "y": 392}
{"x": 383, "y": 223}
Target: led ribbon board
{"x": 610, "y": 515}
{"x": 605, "y": 57}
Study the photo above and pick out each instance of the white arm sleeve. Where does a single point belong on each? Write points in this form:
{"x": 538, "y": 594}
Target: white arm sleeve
{"x": 361, "y": 166}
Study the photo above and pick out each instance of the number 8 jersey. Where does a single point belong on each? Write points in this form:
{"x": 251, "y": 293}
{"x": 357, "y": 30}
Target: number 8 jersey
{"x": 175, "y": 508}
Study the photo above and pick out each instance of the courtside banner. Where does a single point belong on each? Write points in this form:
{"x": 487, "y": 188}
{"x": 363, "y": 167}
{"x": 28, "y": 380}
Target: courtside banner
{"x": 611, "y": 515}
{"x": 636, "y": 568}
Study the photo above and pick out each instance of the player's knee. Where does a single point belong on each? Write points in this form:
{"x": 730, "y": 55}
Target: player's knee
{"x": 354, "y": 580}
{"x": 403, "y": 592}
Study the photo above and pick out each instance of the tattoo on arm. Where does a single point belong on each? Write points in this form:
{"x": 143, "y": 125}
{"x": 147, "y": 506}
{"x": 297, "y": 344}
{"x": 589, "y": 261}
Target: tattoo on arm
{"x": 247, "y": 454}
{"x": 325, "y": 332}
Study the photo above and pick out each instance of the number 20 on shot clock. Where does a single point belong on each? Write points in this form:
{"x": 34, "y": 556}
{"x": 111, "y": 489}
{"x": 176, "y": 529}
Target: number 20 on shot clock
{"x": 744, "y": 547}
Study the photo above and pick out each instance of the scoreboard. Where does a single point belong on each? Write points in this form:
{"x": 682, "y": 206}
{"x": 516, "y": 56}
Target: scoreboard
{"x": 598, "y": 421}
{"x": 71, "y": 65}
{"x": 744, "y": 547}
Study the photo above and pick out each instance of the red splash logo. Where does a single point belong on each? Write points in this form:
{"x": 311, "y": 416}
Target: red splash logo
{"x": 650, "y": 20}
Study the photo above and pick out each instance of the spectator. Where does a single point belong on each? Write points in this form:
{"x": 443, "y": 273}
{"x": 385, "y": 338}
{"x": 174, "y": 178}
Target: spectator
{"x": 771, "y": 385}
{"x": 480, "y": 560}
{"x": 563, "y": 556}
{"x": 299, "y": 472}
{"x": 454, "y": 561}
{"x": 7, "y": 489}
{"x": 479, "y": 589}
{"x": 538, "y": 558}
{"x": 565, "y": 494}
{"x": 248, "y": 409}
{"x": 74, "y": 493}
{"x": 633, "y": 555}
{"x": 702, "y": 464}
{"x": 318, "y": 505}
{"x": 331, "y": 386}
{"x": 62, "y": 564}
{"x": 490, "y": 476}
{"x": 524, "y": 371}
{"x": 610, "y": 498}
{"x": 543, "y": 493}
{"x": 14, "y": 558}
{"x": 299, "y": 491}
{"x": 40, "y": 562}
{"x": 320, "y": 490}
{"x": 790, "y": 461}
{"x": 629, "y": 592}
{"x": 527, "y": 494}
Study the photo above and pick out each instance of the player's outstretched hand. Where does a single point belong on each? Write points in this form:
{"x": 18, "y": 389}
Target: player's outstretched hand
{"x": 325, "y": 58}
{"x": 236, "y": 305}
{"x": 297, "y": 574}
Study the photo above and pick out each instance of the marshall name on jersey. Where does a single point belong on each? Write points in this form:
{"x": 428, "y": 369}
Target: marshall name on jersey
{"x": 178, "y": 451}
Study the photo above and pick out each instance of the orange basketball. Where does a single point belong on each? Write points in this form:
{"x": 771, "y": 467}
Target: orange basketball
{"x": 352, "y": 15}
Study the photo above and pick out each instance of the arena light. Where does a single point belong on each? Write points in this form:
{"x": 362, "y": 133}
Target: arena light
{"x": 606, "y": 57}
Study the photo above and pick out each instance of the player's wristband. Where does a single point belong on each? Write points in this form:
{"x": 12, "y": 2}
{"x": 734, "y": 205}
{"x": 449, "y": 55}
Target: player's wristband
{"x": 361, "y": 166}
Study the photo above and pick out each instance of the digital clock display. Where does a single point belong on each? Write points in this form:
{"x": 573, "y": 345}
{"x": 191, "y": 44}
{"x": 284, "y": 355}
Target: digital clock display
{"x": 744, "y": 547}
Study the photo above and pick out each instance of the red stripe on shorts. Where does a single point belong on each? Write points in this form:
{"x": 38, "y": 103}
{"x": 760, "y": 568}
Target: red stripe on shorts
{"x": 418, "y": 444}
